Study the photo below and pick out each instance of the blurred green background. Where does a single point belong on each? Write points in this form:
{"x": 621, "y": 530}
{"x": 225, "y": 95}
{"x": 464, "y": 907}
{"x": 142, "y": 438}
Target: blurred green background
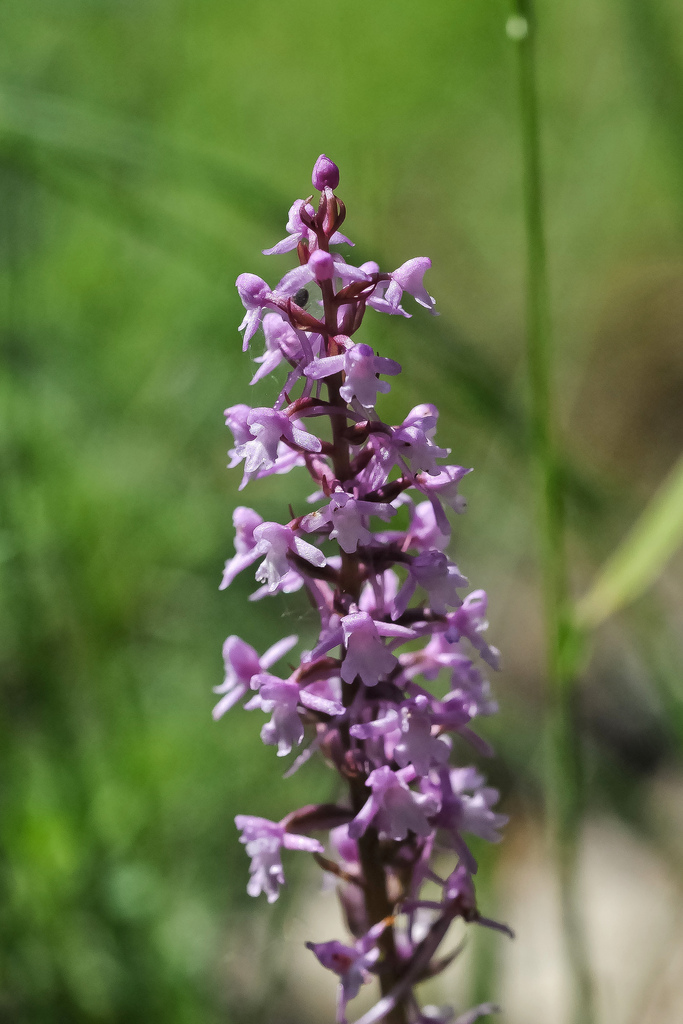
{"x": 149, "y": 149}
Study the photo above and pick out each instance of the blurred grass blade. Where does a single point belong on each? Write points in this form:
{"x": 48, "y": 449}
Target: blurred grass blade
{"x": 639, "y": 560}
{"x": 65, "y": 127}
{"x": 656, "y": 57}
{"x": 481, "y": 386}
{"x": 565, "y": 790}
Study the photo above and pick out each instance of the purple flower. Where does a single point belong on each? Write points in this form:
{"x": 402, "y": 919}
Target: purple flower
{"x": 348, "y": 516}
{"x": 379, "y": 594}
{"x": 439, "y": 653}
{"x": 328, "y": 264}
{"x": 386, "y": 298}
{"x": 418, "y": 746}
{"x": 380, "y": 735}
{"x": 470, "y": 621}
{"x": 236, "y": 420}
{"x": 394, "y": 809}
{"x": 465, "y": 807}
{"x": 267, "y": 428}
{"x": 264, "y": 840}
{"x": 365, "y": 705}
{"x": 346, "y": 847}
{"x": 256, "y": 297}
{"x": 435, "y": 573}
{"x": 255, "y": 432}
{"x": 425, "y": 532}
{"x": 272, "y": 540}
{"x": 245, "y": 521}
{"x": 476, "y": 801}
{"x": 365, "y": 654}
{"x": 351, "y": 963}
{"x": 409, "y": 278}
{"x": 280, "y": 696}
{"x": 444, "y": 487}
{"x": 242, "y": 663}
{"x": 415, "y": 439}
{"x": 361, "y": 366}
{"x": 276, "y": 542}
{"x": 297, "y": 231}
{"x": 409, "y": 445}
{"x": 281, "y": 343}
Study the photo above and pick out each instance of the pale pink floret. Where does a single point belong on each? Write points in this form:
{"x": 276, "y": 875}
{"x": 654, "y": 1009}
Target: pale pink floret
{"x": 476, "y": 802}
{"x": 350, "y": 963}
{"x": 435, "y": 573}
{"x": 245, "y": 521}
{"x": 267, "y": 440}
{"x": 425, "y": 532}
{"x": 236, "y": 421}
{"x": 417, "y": 745}
{"x": 470, "y": 621}
{"x": 360, "y": 366}
{"x": 387, "y": 295}
{"x": 264, "y": 839}
{"x": 242, "y": 663}
{"x": 329, "y": 264}
{"x": 298, "y": 232}
{"x": 281, "y": 343}
{"x": 409, "y": 278}
{"x": 268, "y": 427}
{"x": 394, "y": 809}
{"x": 275, "y": 542}
{"x": 281, "y": 697}
{"x": 365, "y": 655}
{"x": 256, "y": 297}
{"x": 296, "y": 229}
{"x": 348, "y": 516}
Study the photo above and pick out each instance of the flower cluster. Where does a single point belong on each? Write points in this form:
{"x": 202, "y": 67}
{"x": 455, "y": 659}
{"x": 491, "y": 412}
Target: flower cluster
{"x": 387, "y": 718}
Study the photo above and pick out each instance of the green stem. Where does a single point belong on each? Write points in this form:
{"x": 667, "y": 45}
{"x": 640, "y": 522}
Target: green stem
{"x": 564, "y": 777}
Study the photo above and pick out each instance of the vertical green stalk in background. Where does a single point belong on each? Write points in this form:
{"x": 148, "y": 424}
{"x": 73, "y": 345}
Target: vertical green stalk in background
{"x": 564, "y": 770}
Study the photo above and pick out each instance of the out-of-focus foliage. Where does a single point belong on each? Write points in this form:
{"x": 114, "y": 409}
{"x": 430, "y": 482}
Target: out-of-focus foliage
{"x": 148, "y": 151}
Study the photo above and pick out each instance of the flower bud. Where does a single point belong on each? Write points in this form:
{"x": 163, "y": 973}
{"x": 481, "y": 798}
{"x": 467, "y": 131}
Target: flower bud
{"x": 322, "y": 265}
{"x": 325, "y": 173}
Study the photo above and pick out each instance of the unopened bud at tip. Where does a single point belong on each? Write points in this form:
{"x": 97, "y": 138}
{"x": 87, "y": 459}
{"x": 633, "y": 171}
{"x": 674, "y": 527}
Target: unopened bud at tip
{"x": 322, "y": 265}
{"x": 325, "y": 173}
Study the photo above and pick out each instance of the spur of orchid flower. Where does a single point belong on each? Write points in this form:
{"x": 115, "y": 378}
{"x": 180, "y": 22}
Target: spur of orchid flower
{"x": 360, "y": 700}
